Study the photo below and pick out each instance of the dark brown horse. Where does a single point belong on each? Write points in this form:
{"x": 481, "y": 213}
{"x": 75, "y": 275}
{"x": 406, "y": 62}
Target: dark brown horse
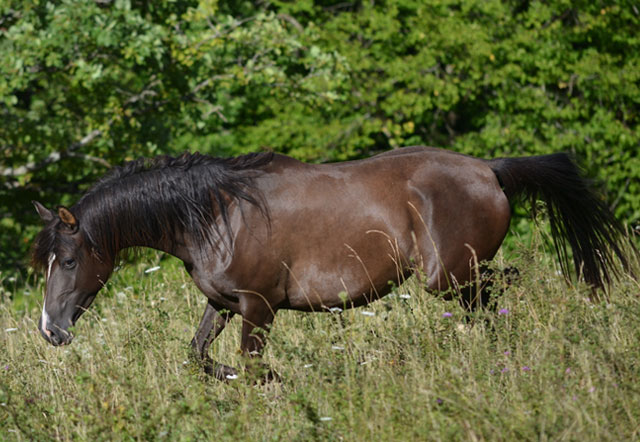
{"x": 264, "y": 232}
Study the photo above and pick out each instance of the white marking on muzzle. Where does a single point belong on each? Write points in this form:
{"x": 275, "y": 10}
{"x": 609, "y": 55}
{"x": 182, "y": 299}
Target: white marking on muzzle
{"x": 45, "y": 317}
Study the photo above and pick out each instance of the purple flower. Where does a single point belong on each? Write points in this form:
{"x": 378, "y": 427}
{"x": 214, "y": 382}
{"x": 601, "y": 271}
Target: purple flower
{"x": 526, "y": 368}
{"x": 507, "y": 353}
{"x": 504, "y": 370}
{"x": 503, "y": 311}
{"x": 446, "y": 315}
{"x": 439, "y": 401}
{"x": 567, "y": 371}
{"x": 6, "y": 367}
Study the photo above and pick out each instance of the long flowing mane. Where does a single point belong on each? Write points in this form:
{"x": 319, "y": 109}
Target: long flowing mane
{"x": 156, "y": 198}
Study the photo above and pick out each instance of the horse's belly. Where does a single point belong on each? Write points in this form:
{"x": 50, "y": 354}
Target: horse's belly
{"x": 314, "y": 288}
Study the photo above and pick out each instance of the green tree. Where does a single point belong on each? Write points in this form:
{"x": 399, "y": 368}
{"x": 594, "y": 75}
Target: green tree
{"x": 87, "y": 84}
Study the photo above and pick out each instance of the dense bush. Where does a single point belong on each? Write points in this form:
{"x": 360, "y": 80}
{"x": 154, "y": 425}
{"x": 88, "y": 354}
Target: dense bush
{"x": 87, "y": 85}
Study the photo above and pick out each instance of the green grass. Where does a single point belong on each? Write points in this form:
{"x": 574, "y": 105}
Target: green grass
{"x": 556, "y": 366}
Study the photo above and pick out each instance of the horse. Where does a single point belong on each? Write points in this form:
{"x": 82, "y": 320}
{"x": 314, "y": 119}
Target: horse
{"x": 263, "y": 232}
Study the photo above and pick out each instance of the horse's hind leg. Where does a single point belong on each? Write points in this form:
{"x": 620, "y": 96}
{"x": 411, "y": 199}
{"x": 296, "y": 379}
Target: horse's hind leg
{"x": 211, "y": 324}
{"x": 483, "y": 292}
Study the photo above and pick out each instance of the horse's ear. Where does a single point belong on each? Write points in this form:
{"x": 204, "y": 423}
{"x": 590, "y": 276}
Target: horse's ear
{"x": 45, "y": 214}
{"x": 67, "y": 218}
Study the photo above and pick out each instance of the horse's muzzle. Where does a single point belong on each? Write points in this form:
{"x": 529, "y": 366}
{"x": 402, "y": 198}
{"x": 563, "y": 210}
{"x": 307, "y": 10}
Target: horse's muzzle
{"x": 55, "y": 337}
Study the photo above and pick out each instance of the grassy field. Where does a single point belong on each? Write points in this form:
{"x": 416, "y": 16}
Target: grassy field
{"x": 549, "y": 363}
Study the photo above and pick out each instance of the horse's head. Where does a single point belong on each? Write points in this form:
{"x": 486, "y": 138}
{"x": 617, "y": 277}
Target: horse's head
{"x": 74, "y": 272}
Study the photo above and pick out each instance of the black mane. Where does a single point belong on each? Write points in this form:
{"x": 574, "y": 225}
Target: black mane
{"x": 152, "y": 199}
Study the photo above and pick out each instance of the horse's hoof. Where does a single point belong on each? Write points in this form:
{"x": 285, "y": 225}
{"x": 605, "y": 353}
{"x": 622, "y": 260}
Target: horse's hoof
{"x": 271, "y": 376}
{"x": 261, "y": 373}
{"x": 225, "y": 373}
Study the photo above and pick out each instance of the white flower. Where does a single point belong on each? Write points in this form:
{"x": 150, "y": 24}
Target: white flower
{"x": 152, "y": 269}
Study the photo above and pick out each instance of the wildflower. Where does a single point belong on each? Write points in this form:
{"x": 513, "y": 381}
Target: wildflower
{"x": 405, "y": 296}
{"x": 326, "y": 419}
{"x": 526, "y": 368}
{"x": 504, "y": 370}
{"x": 308, "y": 365}
{"x": 503, "y": 311}
{"x": 6, "y": 367}
{"x": 507, "y": 353}
{"x": 446, "y": 315}
{"x": 439, "y": 401}
{"x": 152, "y": 269}
{"x": 567, "y": 371}
{"x": 592, "y": 389}
{"x": 337, "y": 347}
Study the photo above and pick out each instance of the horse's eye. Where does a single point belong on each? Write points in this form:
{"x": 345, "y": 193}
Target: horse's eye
{"x": 69, "y": 263}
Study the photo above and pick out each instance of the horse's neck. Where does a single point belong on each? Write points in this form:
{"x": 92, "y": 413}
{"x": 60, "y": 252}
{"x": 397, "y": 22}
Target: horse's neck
{"x": 173, "y": 244}
{"x": 125, "y": 234}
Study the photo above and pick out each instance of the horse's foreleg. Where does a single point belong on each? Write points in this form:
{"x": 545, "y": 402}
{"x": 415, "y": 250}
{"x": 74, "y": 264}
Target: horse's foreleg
{"x": 255, "y": 328}
{"x": 211, "y": 324}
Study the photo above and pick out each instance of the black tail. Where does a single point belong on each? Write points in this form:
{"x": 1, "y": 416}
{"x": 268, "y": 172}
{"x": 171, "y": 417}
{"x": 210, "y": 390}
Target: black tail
{"x": 576, "y": 213}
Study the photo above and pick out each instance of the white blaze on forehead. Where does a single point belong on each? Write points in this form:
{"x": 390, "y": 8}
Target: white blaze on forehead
{"x": 45, "y": 317}
{"x": 52, "y": 258}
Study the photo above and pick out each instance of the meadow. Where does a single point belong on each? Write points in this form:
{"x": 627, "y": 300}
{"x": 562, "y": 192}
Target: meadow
{"x": 550, "y": 362}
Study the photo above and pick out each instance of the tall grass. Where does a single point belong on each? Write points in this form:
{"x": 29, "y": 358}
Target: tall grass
{"x": 548, "y": 363}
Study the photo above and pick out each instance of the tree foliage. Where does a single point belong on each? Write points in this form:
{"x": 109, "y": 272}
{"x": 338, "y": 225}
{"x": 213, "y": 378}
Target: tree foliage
{"x": 88, "y": 84}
